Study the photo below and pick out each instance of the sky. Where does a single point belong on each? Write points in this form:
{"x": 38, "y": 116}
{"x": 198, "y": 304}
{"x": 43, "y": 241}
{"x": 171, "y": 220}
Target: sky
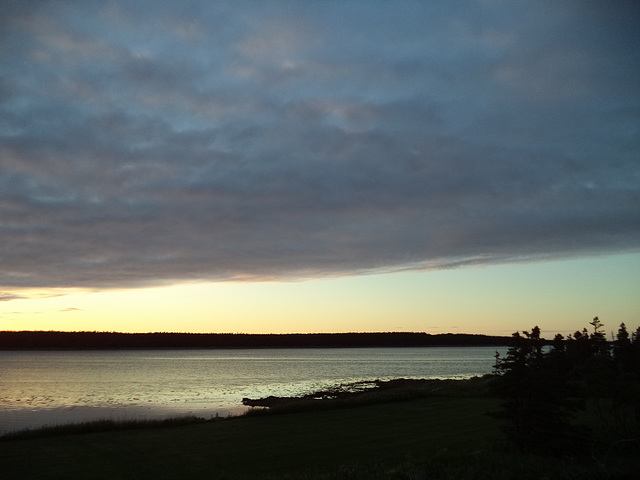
{"x": 294, "y": 166}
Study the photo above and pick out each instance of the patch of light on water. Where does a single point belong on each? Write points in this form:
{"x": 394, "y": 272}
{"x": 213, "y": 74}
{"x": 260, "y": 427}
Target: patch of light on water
{"x": 59, "y": 387}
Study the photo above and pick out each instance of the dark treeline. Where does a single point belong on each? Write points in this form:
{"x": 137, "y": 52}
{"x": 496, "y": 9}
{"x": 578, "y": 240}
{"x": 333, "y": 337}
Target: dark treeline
{"x": 48, "y": 340}
{"x": 544, "y": 391}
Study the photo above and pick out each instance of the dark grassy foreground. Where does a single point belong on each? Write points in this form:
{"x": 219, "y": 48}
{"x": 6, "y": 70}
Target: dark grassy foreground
{"x": 437, "y": 430}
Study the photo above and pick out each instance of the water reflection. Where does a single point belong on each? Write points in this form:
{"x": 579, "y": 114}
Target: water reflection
{"x": 50, "y": 387}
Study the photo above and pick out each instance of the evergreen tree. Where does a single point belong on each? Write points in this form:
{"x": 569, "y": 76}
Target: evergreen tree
{"x": 599, "y": 345}
{"x": 537, "y": 405}
{"x": 623, "y": 417}
{"x": 622, "y": 351}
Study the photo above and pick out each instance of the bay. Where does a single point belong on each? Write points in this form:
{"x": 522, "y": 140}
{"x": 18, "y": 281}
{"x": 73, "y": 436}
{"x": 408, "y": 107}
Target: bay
{"x": 40, "y": 388}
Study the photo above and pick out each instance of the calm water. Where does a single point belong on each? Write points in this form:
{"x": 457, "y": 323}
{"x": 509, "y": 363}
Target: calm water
{"x": 47, "y": 388}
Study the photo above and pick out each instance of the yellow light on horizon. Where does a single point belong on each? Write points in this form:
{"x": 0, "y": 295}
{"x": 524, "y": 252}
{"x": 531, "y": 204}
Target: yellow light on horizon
{"x": 560, "y": 296}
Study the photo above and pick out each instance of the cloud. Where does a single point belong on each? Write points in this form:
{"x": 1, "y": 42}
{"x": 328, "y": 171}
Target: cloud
{"x": 143, "y": 146}
{"x": 7, "y": 297}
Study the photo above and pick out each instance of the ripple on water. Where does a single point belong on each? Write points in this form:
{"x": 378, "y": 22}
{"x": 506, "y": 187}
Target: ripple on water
{"x": 48, "y": 388}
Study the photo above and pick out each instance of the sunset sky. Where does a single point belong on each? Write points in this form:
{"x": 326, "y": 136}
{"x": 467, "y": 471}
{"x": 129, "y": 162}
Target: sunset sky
{"x": 297, "y": 166}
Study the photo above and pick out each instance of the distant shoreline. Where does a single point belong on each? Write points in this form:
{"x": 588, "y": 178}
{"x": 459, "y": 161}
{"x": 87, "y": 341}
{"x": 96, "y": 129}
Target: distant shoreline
{"x": 53, "y": 340}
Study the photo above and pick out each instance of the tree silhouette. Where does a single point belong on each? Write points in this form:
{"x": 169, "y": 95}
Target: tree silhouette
{"x": 538, "y": 401}
{"x": 541, "y": 390}
{"x": 623, "y": 351}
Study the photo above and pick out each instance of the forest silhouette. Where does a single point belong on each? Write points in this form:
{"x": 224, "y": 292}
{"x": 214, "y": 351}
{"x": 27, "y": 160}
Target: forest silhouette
{"x": 27, "y": 340}
{"x": 545, "y": 390}
{"x": 570, "y": 408}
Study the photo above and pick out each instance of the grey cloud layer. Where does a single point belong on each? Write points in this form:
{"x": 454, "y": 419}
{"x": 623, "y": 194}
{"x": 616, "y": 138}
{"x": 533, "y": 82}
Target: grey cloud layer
{"x": 142, "y": 145}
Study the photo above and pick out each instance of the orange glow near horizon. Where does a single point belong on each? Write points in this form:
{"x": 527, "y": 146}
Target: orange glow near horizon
{"x": 560, "y": 296}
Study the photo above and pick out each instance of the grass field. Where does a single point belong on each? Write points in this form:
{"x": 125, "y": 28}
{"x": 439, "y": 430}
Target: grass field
{"x": 444, "y": 435}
